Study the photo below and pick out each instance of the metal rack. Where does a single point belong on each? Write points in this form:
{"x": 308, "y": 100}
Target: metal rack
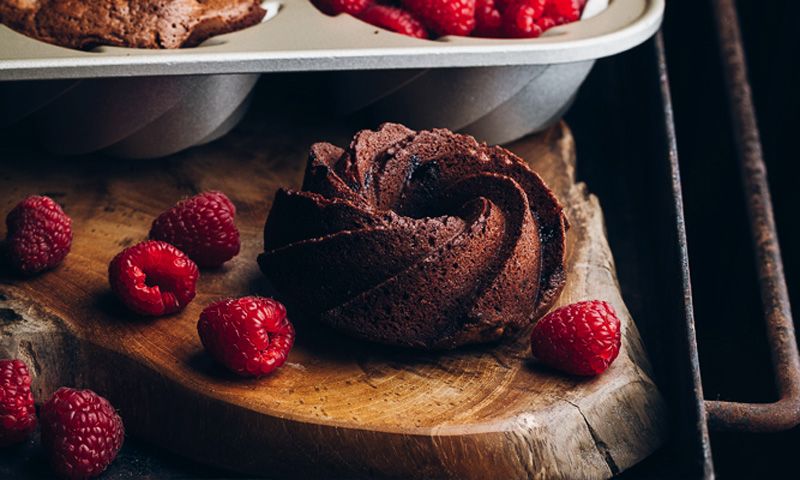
{"x": 632, "y": 163}
{"x": 784, "y": 413}
{"x": 717, "y": 415}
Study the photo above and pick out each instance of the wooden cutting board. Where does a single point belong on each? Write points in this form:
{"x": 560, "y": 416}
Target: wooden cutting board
{"x": 339, "y": 407}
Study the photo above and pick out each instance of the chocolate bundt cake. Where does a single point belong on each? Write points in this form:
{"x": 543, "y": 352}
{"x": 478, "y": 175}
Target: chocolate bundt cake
{"x": 425, "y": 239}
{"x": 132, "y": 23}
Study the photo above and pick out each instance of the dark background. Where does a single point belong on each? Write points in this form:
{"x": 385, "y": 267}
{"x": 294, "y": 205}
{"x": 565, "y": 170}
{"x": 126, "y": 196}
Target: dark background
{"x": 615, "y": 120}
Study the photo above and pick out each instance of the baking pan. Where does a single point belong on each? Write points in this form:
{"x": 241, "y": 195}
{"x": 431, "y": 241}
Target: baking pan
{"x": 158, "y": 115}
{"x": 300, "y": 38}
{"x": 497, "y": 104}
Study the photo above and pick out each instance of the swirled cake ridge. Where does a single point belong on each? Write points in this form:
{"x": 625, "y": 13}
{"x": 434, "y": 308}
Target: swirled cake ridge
{"x": 426, "y": 239}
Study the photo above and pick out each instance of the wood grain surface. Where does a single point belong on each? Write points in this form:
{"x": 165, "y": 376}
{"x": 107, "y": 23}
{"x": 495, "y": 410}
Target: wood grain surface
{"x": 339, "y": 407}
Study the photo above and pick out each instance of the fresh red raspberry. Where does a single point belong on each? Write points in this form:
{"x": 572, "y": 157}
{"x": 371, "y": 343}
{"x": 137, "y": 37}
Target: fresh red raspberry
{"x": 249, "y": 335}
{"x": 545, "y": 23}
{"x": 334, "y": 7}
{"x": 564, "y": 11}
{"x": 39, "y": 235}
{"x": 202, "y": 227}
{"x": 539, "y": 6}
{"x": 519, "y": 19}
{"x": 394, "y": 19}
{"x": 488, "y": 19}
{"x": 17, "y": 413}
{"x": 81, "y": 432}
{"x": 581, "y": 339}
{"x": 444, "y": 17}
{"x": 153, "y": 278}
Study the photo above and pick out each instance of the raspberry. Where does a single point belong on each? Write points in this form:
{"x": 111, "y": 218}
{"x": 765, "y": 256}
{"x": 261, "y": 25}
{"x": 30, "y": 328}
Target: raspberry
{"x": 488, "y": 19}
{"x": 202, "y": 227}
{"x": 444, "y": 17}
{"x": 394, "y": 19}
{"x": 545, "y": 23}
{"x": 17, "y": 413}
{"x": 81, "y": 432}
{"x": 249, "y": 335}
{"x": 153, "y": 278}
{"x": 334, "y": 7}
{"x": 39, "y": 235}
{"x": 519, "y": 19}
{"x": 564, "y": 11}
{"x": 581, "y": 339}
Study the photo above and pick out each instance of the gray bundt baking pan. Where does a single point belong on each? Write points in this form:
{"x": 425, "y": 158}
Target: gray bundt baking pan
{"x": 150, "y": 103}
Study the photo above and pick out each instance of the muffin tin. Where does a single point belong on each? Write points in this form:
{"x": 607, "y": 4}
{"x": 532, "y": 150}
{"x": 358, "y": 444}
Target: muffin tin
{"x": 495, "y": 89}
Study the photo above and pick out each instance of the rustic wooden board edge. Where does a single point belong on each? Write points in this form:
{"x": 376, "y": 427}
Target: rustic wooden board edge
{"x": 67, "y": 360}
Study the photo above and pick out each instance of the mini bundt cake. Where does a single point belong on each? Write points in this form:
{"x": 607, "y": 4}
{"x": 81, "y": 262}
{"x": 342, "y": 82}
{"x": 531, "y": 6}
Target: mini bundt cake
{"x": 132, "y": 23}
{"x": 424, "y": 239}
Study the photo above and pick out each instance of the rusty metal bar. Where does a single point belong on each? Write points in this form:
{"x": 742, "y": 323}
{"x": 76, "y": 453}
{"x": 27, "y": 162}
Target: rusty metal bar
{"x": 784, "y": 413}
{"x": 701, "y": 419}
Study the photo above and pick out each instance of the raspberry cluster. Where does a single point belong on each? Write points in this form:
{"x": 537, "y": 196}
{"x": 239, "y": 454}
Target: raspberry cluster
{"x": 251, "y": 336}
{"x": 158, "y": 277}
{"x": 477, "y": 18}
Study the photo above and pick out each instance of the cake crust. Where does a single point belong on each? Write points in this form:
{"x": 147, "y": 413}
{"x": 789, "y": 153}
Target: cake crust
{"x": 425, "y": 239}
{"x": 85, "y": 24}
